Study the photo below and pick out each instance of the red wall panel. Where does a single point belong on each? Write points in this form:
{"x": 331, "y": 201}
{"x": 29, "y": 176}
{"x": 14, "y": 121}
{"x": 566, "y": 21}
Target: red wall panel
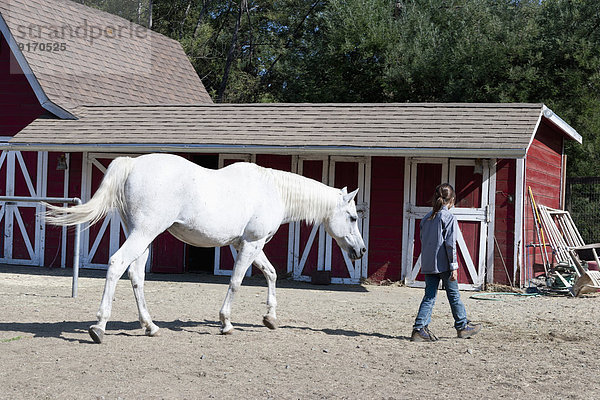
{"x": 346, "y": 175}
{"x": 18, "y": 104}
{"x": 385, "y": 214}
{"x": 75, "y": 172}
{"x": 54, "y": 188}
{"x": 504, "y": 230}
{"x": 429, "y": 176}
{"x": 468, "y": 186}
{"x": 543, "y": 173}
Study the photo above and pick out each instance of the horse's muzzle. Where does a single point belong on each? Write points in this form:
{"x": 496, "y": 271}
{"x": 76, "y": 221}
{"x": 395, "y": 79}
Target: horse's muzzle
{"x": 356, "y": 254}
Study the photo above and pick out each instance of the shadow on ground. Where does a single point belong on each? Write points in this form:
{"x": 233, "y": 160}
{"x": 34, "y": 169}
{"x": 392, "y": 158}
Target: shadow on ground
{"x": 59, "y": 329}
{"x": 120, "y": 328}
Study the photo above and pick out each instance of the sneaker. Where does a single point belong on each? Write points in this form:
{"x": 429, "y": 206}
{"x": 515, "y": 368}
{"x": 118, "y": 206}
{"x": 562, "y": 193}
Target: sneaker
{"x": 468, "y": 331}
{"x": 423, "y": 335}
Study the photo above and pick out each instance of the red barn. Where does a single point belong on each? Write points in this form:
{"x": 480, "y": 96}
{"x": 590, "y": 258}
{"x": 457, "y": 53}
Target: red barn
{"x": 55, "y": 56}
{"x": 395, "y": 153}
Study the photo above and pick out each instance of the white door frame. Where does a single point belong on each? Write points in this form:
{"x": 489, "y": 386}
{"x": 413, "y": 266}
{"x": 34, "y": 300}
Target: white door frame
{"x": 357, "y": 269}
{"x": 317, "y": 233}
{"x": 411, "y": 214}
{"x": 36, "y": 187}
{"x": 481, "y": 215}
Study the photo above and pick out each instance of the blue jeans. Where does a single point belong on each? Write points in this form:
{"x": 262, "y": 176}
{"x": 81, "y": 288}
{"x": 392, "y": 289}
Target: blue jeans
{"x": 432, "y": 282}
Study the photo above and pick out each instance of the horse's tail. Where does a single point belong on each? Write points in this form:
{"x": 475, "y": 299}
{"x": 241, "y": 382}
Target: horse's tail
{"x": 109, "y": 195}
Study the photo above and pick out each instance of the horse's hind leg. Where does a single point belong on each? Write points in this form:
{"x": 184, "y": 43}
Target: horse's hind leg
{"x": 133, "y": 248}
{"x": 262, "y": 263}
{"x": 137, "y": 272}
{"x": 247, "y": 252}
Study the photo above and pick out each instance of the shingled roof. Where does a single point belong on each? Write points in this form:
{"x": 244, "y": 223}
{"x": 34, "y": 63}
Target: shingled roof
{"x": 473, "y": 130}
{"x": 79, "y": 55}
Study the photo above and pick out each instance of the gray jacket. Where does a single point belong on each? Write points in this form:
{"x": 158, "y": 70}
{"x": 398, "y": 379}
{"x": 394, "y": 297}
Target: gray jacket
{"x": 438, "y": 242}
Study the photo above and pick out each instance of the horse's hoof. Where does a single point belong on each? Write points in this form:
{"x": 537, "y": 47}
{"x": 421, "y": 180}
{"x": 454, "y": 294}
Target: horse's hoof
{"x": 96, "y": 333}
{"x": 269, "y": 322}
{"x": 152, "y": 330}
{"x": 228, "y": 330}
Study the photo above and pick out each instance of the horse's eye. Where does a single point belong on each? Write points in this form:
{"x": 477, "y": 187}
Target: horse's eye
{"x": 353, "y": 218}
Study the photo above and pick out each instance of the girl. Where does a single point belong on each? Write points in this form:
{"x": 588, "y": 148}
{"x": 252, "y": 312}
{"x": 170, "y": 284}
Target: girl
{"x": 438, "y": 262}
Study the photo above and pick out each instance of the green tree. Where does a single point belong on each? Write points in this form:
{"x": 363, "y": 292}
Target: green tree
{"x": 235, "y": 45}
{"x": 464, "y": 50}
{"x": 342, "y": 56}
{"x": 570, "y": 42}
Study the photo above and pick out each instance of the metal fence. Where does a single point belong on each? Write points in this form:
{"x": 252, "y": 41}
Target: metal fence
{"x": 583, "y": 202}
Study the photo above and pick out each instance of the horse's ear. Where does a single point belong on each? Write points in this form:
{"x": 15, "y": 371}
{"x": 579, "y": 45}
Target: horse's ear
{"x": 344, "y": 190}
{"x": 348, "y": 197}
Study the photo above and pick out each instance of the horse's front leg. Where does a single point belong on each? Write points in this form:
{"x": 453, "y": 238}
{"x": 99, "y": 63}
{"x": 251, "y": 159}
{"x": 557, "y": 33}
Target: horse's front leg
{"x": 263, "y": 263}
{"x": 136, "y": 275}
{"x": 247, "y": 252}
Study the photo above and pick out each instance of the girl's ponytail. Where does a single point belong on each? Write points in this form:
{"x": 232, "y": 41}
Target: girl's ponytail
{"x": 444, "y": 194}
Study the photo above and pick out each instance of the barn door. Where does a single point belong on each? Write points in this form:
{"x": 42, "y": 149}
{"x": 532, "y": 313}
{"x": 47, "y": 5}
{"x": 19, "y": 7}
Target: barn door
{"x": 225, "y": 256}
{"x": 350, "y": 172}
{"x": 309, "y": 241}
{"x": 23, "y": 238}
{"x": 103, "y": 239}
{"x": 314, "y": 250}
{"x": 470, "y": 179}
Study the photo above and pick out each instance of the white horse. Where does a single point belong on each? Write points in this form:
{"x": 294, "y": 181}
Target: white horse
{"x": 241, "y": 205}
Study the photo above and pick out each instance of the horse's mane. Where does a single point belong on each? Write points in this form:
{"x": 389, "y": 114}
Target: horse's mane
{"x": 304, "y": 198}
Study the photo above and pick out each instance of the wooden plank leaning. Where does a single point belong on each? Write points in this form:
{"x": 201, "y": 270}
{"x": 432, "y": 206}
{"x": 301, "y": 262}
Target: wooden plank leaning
{"x": 566, "y": 241}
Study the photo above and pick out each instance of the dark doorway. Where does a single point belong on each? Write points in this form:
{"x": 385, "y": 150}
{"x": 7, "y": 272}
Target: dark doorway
{"x": 201, "y": 259}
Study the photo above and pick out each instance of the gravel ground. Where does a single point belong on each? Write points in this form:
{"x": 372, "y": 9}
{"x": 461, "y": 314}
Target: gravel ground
{"x": 334, "y": 342}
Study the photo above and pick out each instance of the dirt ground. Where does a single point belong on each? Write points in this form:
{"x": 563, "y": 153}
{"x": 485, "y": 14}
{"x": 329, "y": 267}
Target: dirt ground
{"x": 334, "y": 342}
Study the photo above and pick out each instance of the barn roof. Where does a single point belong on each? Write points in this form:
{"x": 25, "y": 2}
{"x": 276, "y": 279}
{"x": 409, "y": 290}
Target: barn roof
{"x": 74, "y": 55}
{"x": 473, "y": 130}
